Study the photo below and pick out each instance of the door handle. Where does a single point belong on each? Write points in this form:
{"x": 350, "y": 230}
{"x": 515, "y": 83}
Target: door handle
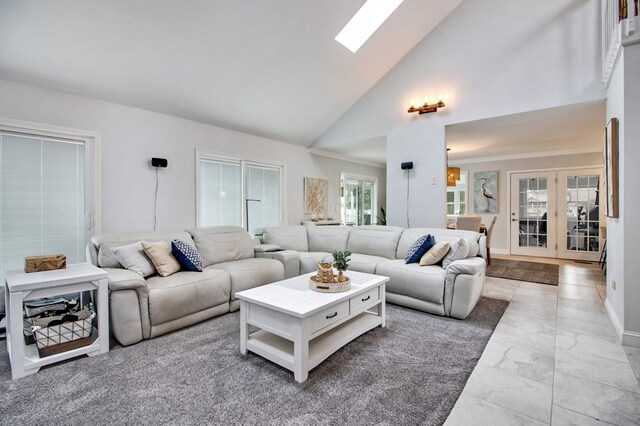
{"x": 514, "y": 220}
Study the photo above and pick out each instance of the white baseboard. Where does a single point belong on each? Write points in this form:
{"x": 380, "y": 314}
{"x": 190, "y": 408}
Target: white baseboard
{"x": 614, "y": 318}
{"x": 499, "y": 251}
{"x": 631, "y": 338}
{"x": 628, "y": 338}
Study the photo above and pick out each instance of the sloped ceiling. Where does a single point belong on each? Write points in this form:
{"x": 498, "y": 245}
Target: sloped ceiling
{"x": 265, "y": 67}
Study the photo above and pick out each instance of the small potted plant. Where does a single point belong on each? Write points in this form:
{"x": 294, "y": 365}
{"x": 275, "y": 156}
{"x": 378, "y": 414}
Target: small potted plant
{"x": 341, "y": 263}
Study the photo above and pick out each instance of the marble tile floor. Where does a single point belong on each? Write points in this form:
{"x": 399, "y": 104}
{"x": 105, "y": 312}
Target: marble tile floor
{"x": 554, "y": 358}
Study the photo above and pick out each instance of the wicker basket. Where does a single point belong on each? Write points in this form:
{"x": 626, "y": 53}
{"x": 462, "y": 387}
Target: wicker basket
{"x": 329, "y": 287}
{"x": 55, "y": 339}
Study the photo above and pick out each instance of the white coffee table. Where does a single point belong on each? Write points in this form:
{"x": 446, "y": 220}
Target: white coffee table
{"x": 300, "y": 328}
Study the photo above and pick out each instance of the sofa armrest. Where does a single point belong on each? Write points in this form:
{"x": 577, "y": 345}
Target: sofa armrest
{"x": 469, "y": 266}
{"x": 128, "y": 306}
{"x": 266, "y": 248}
{"x": 463, "y": 283}
{"x": 123, "y": 279}
{"x": 290, "y": 259}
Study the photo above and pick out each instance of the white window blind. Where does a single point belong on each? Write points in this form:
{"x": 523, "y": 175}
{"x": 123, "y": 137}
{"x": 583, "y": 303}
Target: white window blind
{"x": 42, "y": 199}
{"x": 234, "y": 192}
{"x": 220, "y": 193}
{"x": 263, "y": 183}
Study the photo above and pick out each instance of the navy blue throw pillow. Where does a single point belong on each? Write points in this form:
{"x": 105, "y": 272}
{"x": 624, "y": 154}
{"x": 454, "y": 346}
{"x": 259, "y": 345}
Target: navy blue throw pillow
{"x": 186, "y": 255}
{"x": 419, "y": 248}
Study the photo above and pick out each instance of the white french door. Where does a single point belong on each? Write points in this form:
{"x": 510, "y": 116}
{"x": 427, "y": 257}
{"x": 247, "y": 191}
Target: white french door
{"x": 556, "y": 213}
{"x": 533, "y": 209}
{"x": 580, "y": 217}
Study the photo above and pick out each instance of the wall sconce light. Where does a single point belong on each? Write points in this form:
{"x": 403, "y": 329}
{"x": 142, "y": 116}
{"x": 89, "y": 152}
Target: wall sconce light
{"x": 426, "y": 107}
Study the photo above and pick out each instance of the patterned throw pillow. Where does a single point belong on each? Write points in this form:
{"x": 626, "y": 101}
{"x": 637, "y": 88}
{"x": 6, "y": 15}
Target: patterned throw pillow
{"x": 187, "y": 255}
{"x": 419, "y": 248}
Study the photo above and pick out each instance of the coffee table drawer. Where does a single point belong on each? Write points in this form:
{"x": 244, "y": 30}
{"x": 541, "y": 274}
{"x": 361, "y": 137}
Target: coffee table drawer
{"x": 328, "y": 316}
{"x": 358, "y": 302}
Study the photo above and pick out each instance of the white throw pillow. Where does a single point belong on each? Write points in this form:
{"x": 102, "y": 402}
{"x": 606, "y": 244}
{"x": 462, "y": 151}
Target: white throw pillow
{"x": 435, "y": 253}
{"x": 132, "y": 257}
{"x": 459, "y": 250}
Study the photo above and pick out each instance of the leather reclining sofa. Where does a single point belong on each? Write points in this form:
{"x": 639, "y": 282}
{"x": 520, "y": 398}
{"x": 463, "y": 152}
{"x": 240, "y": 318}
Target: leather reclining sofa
{"x": 451, "y": 291}
{"x": 144, "y": 308}
{"x": 232, "y": 261}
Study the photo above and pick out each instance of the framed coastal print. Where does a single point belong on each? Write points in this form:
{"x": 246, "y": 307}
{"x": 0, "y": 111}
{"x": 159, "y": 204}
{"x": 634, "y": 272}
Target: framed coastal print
{"x": 485, "y": 192}
{"x": 611, "y": 168}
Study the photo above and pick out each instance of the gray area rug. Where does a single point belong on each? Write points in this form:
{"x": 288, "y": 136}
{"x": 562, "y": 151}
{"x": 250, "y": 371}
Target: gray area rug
{"x": 534, "y": 272}
{"x": 410, "y": 372}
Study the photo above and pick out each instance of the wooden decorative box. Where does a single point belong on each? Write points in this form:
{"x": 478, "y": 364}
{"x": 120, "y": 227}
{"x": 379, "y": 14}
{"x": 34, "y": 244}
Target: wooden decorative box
{"x": 45, "y": 262}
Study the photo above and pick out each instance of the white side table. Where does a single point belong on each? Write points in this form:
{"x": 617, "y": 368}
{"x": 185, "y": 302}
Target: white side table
{"x": 22, "y": 286}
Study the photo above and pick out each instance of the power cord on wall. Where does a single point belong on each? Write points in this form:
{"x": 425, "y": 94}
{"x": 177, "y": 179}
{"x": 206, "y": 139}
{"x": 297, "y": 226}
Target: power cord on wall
{"x": 155, "y": 203}
{"x": 157, "y": 163}
{"x": 408, "y": 226}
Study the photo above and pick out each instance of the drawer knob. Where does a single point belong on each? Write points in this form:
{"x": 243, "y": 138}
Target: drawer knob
{"x": 366, "y": 298}
{"x": 332, "y": 316}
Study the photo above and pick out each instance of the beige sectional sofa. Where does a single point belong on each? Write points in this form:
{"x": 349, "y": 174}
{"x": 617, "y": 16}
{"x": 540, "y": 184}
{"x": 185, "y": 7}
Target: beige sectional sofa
{"x": 144, "y": 308}
{"x": 451, "y": 291}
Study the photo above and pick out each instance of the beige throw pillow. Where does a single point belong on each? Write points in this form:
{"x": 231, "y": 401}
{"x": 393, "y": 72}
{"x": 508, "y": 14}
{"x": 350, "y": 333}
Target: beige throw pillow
{"x": 132, "y": 257}
{"x": 435, "y": 253}
{"x": 160, "y": 254}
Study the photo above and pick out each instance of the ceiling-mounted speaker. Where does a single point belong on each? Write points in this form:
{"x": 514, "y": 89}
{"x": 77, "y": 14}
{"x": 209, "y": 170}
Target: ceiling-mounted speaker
{"x": 159, "y": 162}
{"x": 407, "y": 165}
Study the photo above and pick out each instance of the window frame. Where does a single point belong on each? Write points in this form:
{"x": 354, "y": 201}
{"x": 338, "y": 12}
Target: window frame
{"x": 92, "y": 160}
{"x": 244, "y": 163}
{"x": 374, "y": 202}
{"x": 456, "y": 195}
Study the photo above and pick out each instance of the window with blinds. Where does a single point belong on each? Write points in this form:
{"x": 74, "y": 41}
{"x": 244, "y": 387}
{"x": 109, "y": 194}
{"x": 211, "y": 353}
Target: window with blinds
{"x": 238, "y": 192}
{"x": 42, "y": 199}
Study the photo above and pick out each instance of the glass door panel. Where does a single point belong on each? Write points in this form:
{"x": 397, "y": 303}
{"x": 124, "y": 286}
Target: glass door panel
{"x": 532, "y": 209}
{"x": 358, "y": 200}
{"x": 580, "y": 219}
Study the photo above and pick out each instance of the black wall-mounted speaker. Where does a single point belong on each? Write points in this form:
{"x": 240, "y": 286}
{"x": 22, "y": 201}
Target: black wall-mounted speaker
{"x": 159, "y": 162}
{"x": 407, "y": 165}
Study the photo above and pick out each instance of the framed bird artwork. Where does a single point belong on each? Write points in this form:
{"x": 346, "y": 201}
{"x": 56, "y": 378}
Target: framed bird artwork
{"x": 485, "y": 192}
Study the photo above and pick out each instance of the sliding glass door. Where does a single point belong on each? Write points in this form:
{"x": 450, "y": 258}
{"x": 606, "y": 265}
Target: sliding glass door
{"x": 43, "y": 205}
{"x": 240, "y": 193}
{"x": 358, "y": 200}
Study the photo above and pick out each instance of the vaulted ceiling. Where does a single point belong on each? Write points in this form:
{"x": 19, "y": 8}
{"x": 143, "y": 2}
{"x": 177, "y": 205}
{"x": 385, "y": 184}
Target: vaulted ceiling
{"x": 265, "y": 67}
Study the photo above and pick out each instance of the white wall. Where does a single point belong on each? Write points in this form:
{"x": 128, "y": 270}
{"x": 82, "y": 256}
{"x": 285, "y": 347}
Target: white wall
{"x": 489, "y": 58}
{"x": 500, "y": 236}
{"x": 615, "y": 227}
{"x": 131, "y": 136}
{"x": 623, "y": 233}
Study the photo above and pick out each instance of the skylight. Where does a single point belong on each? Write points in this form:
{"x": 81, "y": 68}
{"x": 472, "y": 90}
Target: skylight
{"x": 365, "y": 22}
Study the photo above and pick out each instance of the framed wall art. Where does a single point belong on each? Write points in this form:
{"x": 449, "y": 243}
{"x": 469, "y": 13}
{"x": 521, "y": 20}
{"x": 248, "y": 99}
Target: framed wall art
{"x": 485, "y": 192}
{"x": 611, "y": 168}
{"x": 316, "y": 196}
